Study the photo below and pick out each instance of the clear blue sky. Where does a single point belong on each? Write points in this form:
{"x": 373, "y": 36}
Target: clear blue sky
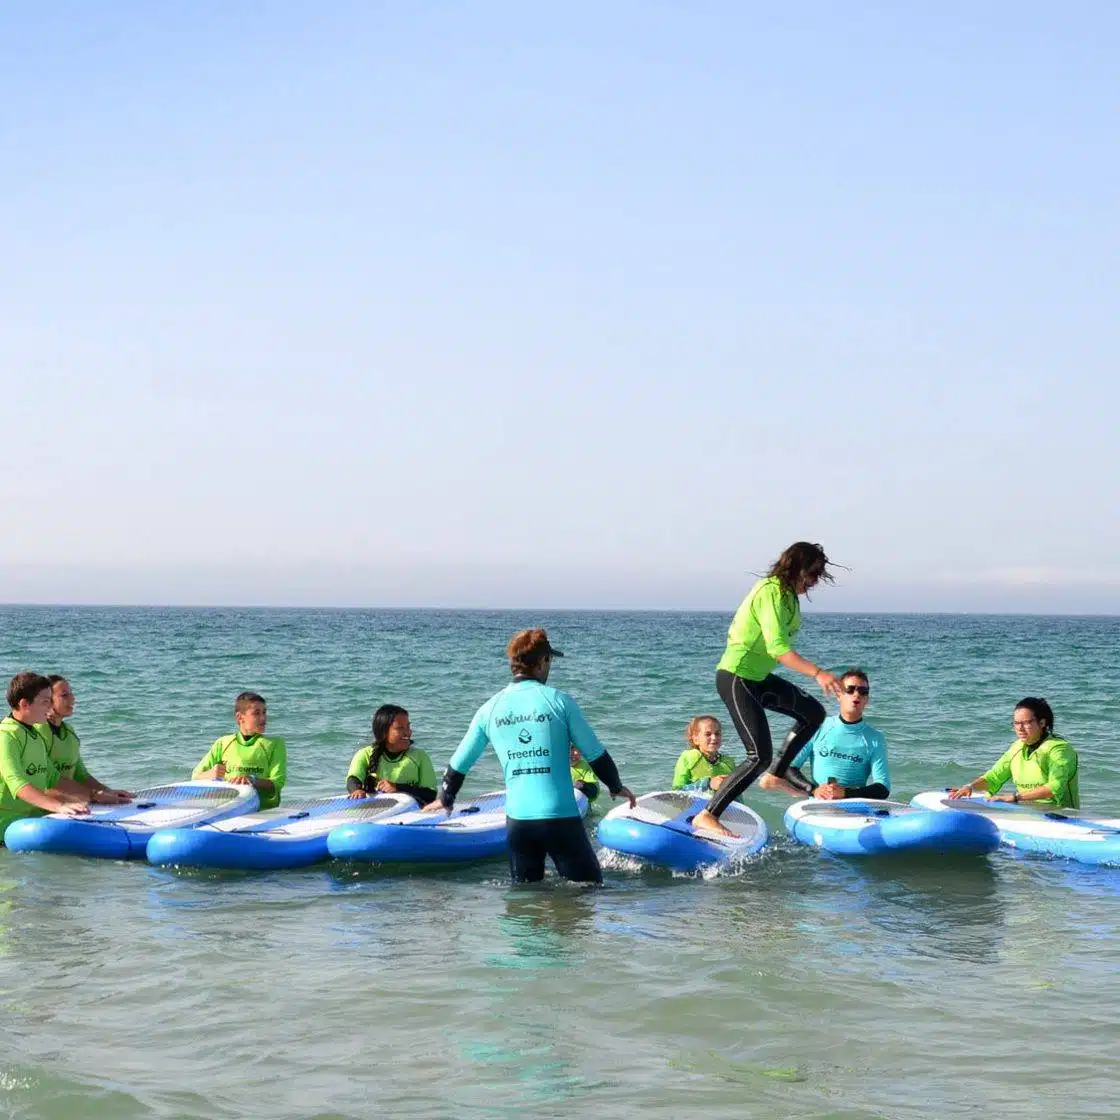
{"x": 559, "y": 304}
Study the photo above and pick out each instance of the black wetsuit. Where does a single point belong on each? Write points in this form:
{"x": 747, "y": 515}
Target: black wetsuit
{"x": 747, "y": 702}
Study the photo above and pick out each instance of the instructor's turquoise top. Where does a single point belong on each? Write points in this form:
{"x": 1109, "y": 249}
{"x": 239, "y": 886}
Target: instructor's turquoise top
{"x": 531, "y": 727}
{"x": 855, "y": 754}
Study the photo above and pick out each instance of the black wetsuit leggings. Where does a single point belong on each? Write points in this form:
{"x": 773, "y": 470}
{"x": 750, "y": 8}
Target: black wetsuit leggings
{"x": 747, "y": 702}
{"x": 564, "y": 839}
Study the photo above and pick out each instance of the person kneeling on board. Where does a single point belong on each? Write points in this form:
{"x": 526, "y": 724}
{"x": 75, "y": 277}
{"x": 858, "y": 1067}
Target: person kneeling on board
{"x": 64, "y": 746}
{"x": 848, "y": 756}
{"x": 30, "y": 784}
{"x": 391, "y": 764}
{"x": 702, "y": 766}
{"x": 531, "y": 727}
{"x": 1042, "y": 766}
{"x": 248, "y": 758}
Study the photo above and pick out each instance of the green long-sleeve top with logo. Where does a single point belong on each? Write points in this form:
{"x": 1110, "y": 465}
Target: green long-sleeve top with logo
{"x": 64, "y": 750}
{"x": 411, "y": 768}
{"x": 24, "y": 761}
{"x": 694, "y": 771}
{"x": 762, "y": 630}
{"x": 585, "y": 779}
{"x": 255, "y": 757}
{"x": 1051, "y": 763}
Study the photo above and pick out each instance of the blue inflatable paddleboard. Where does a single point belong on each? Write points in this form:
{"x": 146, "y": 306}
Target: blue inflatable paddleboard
{"x": 864, "y": 826}
{"x": 474, "y": 829}
{"x": 292, "y": 835}
{"x": 659, "y": 829}
{"x": 123, "y": 831}
{"x": 1046, "y": 829}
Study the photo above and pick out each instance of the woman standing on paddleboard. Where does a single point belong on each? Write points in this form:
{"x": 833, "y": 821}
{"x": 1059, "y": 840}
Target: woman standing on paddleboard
{"x": 760, "y": 638}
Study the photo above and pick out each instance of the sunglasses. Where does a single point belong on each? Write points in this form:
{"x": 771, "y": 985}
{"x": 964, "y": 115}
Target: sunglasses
{"x": 852, "y": 689}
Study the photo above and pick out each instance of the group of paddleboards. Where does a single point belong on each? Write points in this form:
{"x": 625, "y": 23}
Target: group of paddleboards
{"x": 395, "y": 810}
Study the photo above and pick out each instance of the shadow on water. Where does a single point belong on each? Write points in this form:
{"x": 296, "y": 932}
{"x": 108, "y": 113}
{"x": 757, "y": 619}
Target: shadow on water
{"x": 541, "y": 927}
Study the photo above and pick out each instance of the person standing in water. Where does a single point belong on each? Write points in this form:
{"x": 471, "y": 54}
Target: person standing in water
{"x": 532, "y": 728}
{"x": 759, "y": 639}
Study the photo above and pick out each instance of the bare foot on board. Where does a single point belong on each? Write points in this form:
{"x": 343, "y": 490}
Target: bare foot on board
{"x": 705, "y": 821}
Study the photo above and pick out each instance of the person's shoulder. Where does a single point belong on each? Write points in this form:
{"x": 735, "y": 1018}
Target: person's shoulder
{"x": 874, "y": 733}
{"x": 271, "y": 742}
{"x": 690, "y": 754}
{"x": 1056, "y": 742}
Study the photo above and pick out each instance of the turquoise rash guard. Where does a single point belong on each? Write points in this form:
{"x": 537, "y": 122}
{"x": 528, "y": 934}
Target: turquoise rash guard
{"x": 531, "y": 727}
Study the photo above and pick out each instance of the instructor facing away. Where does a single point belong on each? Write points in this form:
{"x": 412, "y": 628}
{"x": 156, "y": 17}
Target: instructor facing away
{"x": 759, "y": 639}
{"x": 532, "y": 727}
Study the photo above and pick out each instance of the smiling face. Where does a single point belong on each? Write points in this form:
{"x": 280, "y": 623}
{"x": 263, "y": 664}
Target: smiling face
{"x": 854, "y": 698}
{"x": 62, "y": 702}
{"x": 34, "y": 710}
{"x": 399, "y": 736}
{"x": 707, "y": 738}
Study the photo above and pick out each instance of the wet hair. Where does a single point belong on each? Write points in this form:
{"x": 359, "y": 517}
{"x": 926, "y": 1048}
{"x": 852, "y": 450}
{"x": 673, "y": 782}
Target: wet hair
{"x": 54, "y": 678}
{"x": 379, "y": 729}
{"x": 24, "y": 687}
{"x": 1038, "y": 708}
{"x": 245, "y": 700}
{"x": 694, "y": 726}
{"x": 857, "y": 672}
{"x": 800, "y": 561}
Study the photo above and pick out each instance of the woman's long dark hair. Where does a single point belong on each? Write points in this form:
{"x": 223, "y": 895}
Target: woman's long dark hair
{"x": 801, "y": 561}
{"x": 382, "y": 721}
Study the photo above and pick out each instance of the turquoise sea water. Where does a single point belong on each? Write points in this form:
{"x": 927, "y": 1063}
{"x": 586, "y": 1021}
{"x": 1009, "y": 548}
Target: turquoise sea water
{"x": 800, "y": 986}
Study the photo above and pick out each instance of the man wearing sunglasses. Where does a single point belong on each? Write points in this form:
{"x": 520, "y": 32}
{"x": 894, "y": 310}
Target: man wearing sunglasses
{"x": 848, "y": 755}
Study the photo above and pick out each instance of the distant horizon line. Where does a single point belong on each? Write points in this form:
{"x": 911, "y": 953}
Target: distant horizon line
{"x": 547, "y": 610}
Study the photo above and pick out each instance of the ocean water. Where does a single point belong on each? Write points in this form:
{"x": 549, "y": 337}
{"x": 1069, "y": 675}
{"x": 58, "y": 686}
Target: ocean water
{"x": 800, "y": 985}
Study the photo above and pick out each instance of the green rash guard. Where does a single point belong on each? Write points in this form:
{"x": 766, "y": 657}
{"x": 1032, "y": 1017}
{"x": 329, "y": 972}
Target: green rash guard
{"x": 412, "y": 767}
{"x": 64, "y": 750}
{"x": 582, "y": 772}
{"x": 255, "y": 757}
{"x": 24, "y": 761}
{"x": 1052, "y": 763}
{"x": 694, "y": 771}
{"x": 762, "y": 630}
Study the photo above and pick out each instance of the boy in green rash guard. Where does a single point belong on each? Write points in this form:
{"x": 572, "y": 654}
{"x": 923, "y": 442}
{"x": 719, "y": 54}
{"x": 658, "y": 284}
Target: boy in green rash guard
{"x": 64, "y": 746}
{"x": 30, "y": 784}
{"x": 248, "y": 758}
{"x": 702, "y": 766}
{"x": 1042, "y": 766}
{"x": 583, "y": 777}
{"x": 391, "y": 764}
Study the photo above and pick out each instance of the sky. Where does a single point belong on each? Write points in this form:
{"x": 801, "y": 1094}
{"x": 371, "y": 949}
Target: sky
{"x": 560, "y": 304}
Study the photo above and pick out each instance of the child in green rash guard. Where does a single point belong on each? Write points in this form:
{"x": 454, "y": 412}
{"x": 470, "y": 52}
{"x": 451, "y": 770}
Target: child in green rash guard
{"x": 583, "y": 777}
{"x": 1042, "y": 766}
{"x": 702, "y": 766}
{"x": 391, "y": 764}
{"x": 248, "y": 758}
{"x": 30, "y": 784}
{"x": 64, "y": 747}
